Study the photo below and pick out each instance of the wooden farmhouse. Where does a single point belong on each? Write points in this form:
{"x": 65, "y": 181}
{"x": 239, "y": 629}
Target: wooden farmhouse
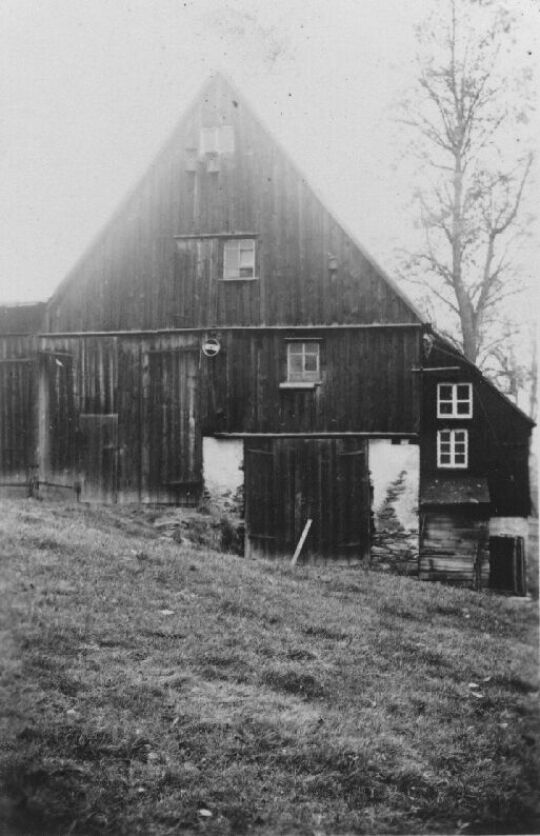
{"x": 224, "y": 300}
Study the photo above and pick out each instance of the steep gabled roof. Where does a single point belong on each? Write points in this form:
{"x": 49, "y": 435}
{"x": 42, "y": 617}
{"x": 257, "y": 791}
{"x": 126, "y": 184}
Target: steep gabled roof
{"x": 369, "y": 258}
{"x": 219, "y": 79}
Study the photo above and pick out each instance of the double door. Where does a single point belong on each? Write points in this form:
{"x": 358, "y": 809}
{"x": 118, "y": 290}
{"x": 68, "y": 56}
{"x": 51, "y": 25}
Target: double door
{"x": 289, "y": 481}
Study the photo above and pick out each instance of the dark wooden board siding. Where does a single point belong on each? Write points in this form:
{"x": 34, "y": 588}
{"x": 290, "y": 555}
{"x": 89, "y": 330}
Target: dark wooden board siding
{"x": 141, "y": 403}
{"x": 119, "y": 417}
{"x": 289, "y": 481}
{"x": 62, "y": 419}
{"x": 172, "y": 425}
{"x": 18, "y": 417}
{"x": 136, "y": 275}
{"x": 498, "y": 436}
{"x": 453, "y": 547}
{"x": 367, "y": 384}
{"x": 130, "y": 406}
{"x": 98, "y": 457}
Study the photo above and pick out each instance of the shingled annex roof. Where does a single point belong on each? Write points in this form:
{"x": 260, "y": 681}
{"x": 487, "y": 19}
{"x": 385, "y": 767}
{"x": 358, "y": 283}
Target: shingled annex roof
{"x": 455, "y": 490}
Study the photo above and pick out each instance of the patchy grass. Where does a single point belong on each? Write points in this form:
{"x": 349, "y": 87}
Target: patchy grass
{"x": 152, "y": 687}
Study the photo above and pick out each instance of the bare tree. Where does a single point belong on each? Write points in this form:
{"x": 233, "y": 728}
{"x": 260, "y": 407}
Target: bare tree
{"x": 473, "y": 175}
{"x": 512, "y": 364}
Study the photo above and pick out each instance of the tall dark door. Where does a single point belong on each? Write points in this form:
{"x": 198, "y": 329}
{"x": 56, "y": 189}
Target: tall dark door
{"x": 172, "y": 454}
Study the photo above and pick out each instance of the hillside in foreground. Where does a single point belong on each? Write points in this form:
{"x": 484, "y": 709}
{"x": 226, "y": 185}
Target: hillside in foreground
{"x": 150, "y": 687}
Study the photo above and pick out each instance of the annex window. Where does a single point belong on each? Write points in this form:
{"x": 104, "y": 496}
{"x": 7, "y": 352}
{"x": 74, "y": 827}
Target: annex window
{"x": 454, "y": 400}
{"x": 303, "y": 362}
{"x": 239, "y": 258}
{"x": 452, "y": 448}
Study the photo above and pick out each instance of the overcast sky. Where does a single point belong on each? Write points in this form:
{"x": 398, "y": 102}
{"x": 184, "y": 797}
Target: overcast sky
{"x": 90, "y": 89}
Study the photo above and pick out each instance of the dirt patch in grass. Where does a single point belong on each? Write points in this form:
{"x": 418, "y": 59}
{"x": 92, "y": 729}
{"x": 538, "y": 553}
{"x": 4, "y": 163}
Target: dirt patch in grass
{"x": 54, "y": 796}
{"x": 51, "y": 544}
{"x": 303, "y": 685}
{"x": 318, "y": 631}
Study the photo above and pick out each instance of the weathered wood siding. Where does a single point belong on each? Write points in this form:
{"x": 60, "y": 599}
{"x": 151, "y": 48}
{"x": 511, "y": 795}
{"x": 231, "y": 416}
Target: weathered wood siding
{"x": 118, "y": 419}
{"x": 173, "y": 437}
{"x": 140, "y": 274}
{"x": 367, "y": 384}
{"x": 454, "y": 546}
{"x": 289, "y": 481}
{"x": 121, "y": 417}
{"x": 498, "y": 435}
{"x": 453, "y": 539}
{"x": 18, "y": 417}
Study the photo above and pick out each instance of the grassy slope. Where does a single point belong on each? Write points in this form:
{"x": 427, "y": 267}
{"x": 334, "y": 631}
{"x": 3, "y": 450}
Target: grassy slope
{"x": 156, "y": 689}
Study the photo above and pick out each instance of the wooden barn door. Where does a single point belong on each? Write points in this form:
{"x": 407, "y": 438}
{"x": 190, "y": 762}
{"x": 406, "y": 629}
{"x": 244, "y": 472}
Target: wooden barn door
{"x": 98, "y": 455}
{"x": 97, "y": 398}
{"x": 172, "y": 441}
{"x": 290, "y": 481}
{"x": 353, "y": 529}
{"x": 58, "y": 438}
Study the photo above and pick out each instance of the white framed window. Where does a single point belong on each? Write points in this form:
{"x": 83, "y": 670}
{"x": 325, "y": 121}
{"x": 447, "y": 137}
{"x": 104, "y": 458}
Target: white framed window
{"x": 454, "y": 400}
{"x": 453, "y": 448}
{"x": 303, "y": 362}
{"x": 239, "y": 258}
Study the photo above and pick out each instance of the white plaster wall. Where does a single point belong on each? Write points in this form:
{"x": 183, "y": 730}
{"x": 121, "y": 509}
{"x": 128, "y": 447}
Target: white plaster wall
{"x": 386, "y": 462}
{"x": 223, "y": 474}
{"x": 509, "y": 526}
{"x": 222, "y": 462}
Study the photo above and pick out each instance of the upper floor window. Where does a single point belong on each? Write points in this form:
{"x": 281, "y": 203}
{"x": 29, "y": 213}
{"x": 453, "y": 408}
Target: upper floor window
{"x": 239, "y": 258}
{"x": 453, "y": 448}
{"x": 216, "y": 139}
{"x": 303, "y": 362}
{"x": 454, "y": 400}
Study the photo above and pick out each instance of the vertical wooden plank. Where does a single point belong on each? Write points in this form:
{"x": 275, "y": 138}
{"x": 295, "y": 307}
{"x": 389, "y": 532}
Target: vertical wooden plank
{"x": 44, "y": 420}
{"x": 146, "y": 429}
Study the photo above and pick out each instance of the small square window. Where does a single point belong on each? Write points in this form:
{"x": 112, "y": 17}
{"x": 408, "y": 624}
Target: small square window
{"x": 453, "y": 448}
{"x": 239, "y": 258}
{"x": 303, "y": 362}
{"x": 454, "y": 400}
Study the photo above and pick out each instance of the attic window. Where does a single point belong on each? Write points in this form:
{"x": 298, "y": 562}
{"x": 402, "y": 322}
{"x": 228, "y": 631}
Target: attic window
{"x": 454, "y": 400}
{"x": 217, "y": 139}
{"x": 239, "y": 258}
{"x": 452, "y": 449}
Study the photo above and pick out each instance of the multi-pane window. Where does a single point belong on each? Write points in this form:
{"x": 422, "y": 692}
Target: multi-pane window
{"x": 454, "y": 400}
{"x": 453, "y": 448}
{"x": 239, "y": 258}
{"x": 303, "y": 362}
